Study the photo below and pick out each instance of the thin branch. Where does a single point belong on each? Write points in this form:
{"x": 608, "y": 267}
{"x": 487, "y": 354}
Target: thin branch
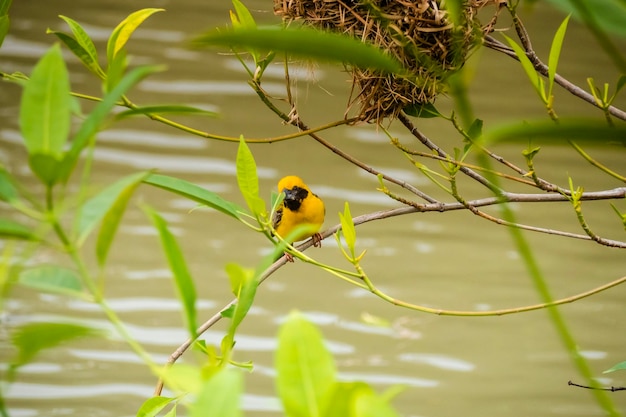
{"x": 494, "y": 44}
{"x": 612, "y": 389}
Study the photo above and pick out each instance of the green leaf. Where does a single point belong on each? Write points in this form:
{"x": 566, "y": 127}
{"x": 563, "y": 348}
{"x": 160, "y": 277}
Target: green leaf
{"x": 422, "y": 110}
{"x": 247, "y": 179}
{"x": 10, "y": 229}
{"x": 48, "y": 168}
{"x": 8, "y": 192}
{"x": 195, "y": 193}
{"x": 95, "y": 119}
{"x": 125, "y": 29}
{"x": 347, "y": 228}
{"x": 617, "y": 367}
{"x": 244, "y": 17}
{"x": 220, "y": 395}
{"x": 590, "y": 131}
{"x": 79, "y": 51}
{"x": 153, "y": 406}
{"x": 306, "y": 371}
{"x": 164, "y": 109}
{"x": 341, "y": 399}
{"x": 30, "y": 339}
{"x": 178, "y": 266}
{"x": 90, "y": 57}
{"x": 53, "y": 279}
{"x": 529, "y": 69}
{"x": 4, "y": 7}
{"x": 4, "y": 27}
{"x": 182, "y": 378}
{"x": 113, "y": 199}
{"x": 555, "y": 53}
{"x": 244, "y": 284}
{"x": 305, "y": 43}
{"x": 369, "y": 404}
{"x": 116, "y": 70}
{"x": 45, "y": 107}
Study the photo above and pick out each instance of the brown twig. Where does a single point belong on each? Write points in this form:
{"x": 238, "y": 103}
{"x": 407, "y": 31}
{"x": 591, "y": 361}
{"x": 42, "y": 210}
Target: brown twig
{"x": 612, "y": 389}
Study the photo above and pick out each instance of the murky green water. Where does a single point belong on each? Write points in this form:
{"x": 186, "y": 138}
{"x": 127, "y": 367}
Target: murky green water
{"x": 512, "y": 365}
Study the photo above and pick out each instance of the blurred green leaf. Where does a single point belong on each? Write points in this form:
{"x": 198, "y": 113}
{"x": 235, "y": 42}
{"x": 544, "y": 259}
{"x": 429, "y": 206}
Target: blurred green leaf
{"x": 10, "y": 229}
{"x": 90, "y": 55}
{"x": 153, "y": 406}
{"x": 95, "y": 119}
{"x": 244, "y": 285}
{"x": 53, "y": 279}
{"x": 475, "y": 131}
{"x": 32, "y": 338}
{"x": 109, "y": 204}
{"x": 617, "y": 367}
{"x": 555, "y": 53}
{"x": 591, "y": 132}
{"x": 125, "y": 29}
{"x": 4, "y": 19}
{"x": 304, "y": 43}
{"x": 178, "y": 266}
{"x": 611, "y": 13}
{"x": 248, "y": 180}
{"x": 48, "y": 168}
{"x": 220, "y": 395}
{"x": 115, "y": 200}
{"x": 195, "y": 193}
{"x": 4, "y": 27}
{"x": 8, "y": 192}
{"x": 529, "y": 69}
{"x": 164, "y": 109}
{"x": 341, "y": 400}
{"x": 369, "y": 404}
{"x": 182, "y": 378}
{"x": 45, "y": 106}
{"x": 306, "y": 371}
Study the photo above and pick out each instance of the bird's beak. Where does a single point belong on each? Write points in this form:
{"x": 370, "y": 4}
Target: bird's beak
{"x": 289, "y": 194}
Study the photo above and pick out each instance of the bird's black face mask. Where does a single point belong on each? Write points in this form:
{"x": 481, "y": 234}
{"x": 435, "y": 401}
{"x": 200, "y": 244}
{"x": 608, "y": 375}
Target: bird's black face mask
{"x": 293, "y": 197}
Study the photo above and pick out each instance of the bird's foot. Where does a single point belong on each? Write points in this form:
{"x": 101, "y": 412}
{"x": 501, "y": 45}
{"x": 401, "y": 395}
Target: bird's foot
{"x": 317, "y": 240}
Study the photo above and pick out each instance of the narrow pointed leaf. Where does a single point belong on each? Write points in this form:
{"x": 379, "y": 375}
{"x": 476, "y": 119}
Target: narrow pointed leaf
{"x": 243, "y": 14}
{"x": 528, "y": 67}
{"x": 125, "y": 29}
{"x": 84, "y": 40}
{"x": 112, "y": 198}
{"x": 111, "y": 220}
{"x": 195, "y": 193}
{"x": 580, "y": 130}
{"x": 79, "y": 51}
{"x": 305, "y": 43}
{"x": 347, "y": 228}
{"x": 247, "y": 178}
{"x": 306, "y": 371}
{"x": 45, "y": 106}
{"x": 53, "y": 279}
{"x": 164, "y": 109}
{"x": 47, "y": 167}
{"x": 555, "y": 53}
{"x": 178, "y": 266}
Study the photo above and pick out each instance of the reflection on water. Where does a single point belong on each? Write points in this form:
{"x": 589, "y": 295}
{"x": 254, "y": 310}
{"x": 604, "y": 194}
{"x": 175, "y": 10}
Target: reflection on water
{"x": 512, "y": 366}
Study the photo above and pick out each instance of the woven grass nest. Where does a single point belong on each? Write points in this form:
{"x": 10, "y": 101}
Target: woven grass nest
{"x": 400, "y": 28}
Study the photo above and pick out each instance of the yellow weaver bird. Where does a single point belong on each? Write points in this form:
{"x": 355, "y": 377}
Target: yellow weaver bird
{"x": 299, "y": 207}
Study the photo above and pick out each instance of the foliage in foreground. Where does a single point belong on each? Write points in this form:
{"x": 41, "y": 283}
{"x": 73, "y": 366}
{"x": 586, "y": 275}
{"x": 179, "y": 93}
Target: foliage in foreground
{"x": 306, "y": 379}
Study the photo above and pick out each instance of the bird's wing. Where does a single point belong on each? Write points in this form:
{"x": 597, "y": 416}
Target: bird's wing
{"x": 277, "y": 217}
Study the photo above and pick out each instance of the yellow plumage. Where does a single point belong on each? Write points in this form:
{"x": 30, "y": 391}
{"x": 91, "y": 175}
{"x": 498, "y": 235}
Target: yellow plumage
{"x": 300, "y": 206}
